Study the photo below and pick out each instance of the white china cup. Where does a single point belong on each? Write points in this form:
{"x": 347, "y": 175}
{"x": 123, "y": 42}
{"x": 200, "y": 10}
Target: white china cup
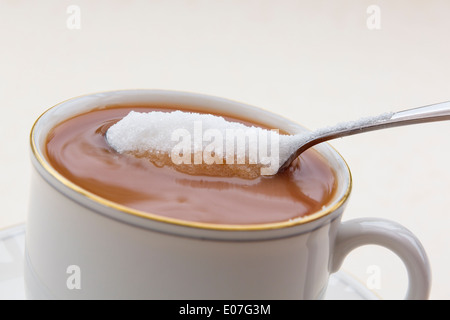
{"x": 81, "y": 246}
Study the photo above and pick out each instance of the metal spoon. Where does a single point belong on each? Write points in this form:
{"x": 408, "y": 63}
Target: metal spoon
{"x": 430, "y": 113}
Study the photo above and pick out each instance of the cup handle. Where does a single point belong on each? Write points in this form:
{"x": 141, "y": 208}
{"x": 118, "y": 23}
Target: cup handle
{"x": 393, "y": 236}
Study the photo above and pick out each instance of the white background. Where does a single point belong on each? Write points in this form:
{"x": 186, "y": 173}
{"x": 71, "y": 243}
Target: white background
{"x": 315, "y": 62}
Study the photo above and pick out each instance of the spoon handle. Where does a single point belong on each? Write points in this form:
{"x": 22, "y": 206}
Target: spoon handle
{"x": 430, "y": 113}
{"x": 433, "y": 112}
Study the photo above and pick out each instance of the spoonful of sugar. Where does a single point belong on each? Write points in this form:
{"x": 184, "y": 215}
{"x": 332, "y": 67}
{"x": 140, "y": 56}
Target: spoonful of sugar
{"x": 205, "y": 144}
{"x": 201, "y": 144}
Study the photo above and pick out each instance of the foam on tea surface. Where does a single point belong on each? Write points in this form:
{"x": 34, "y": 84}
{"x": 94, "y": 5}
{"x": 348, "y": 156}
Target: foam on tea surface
{"x": 201, "y": 143}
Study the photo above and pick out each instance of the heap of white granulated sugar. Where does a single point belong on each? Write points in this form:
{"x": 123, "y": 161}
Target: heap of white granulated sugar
{"x": 156, "y": 135}
{"x": 166, "y": 138}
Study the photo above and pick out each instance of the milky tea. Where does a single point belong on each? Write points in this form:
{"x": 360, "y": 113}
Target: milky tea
{"x": 78, "y": 150}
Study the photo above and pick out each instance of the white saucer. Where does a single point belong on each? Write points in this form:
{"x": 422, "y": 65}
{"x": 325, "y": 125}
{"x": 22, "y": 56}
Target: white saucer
{"x": 12, "y": 245}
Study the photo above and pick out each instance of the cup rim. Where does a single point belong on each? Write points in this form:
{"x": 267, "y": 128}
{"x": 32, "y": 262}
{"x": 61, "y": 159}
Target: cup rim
{"x": 54, "y": 174}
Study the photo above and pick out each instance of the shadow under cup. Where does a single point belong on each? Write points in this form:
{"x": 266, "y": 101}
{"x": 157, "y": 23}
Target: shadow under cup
{"x": 81, "y": 246}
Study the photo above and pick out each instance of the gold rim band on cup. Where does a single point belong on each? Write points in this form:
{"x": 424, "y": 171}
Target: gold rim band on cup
{"x": 185, "y": 223}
